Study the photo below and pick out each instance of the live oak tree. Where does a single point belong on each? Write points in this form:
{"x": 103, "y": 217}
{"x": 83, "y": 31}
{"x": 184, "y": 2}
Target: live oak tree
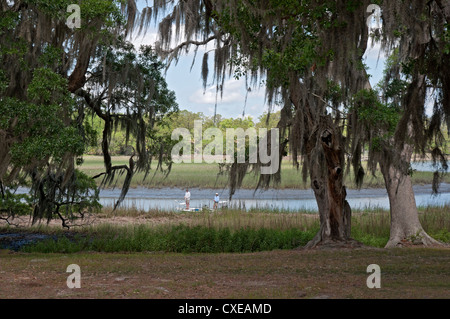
{"x": 36, "y": 139}
{"x": 126, "y": 89}
{"x": 53, "y": 77}
{"x": 310, "y": 56}
{"x": 416, "y": 35}
{"x": 298, "y": 49}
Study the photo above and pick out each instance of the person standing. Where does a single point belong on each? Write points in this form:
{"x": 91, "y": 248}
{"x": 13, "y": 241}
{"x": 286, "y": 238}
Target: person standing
{"x": 187, "y": 198}
{"x": 216, "y": 200}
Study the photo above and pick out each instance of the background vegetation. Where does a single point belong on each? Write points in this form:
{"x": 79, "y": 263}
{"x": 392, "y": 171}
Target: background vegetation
{"x": 210, "y": 176}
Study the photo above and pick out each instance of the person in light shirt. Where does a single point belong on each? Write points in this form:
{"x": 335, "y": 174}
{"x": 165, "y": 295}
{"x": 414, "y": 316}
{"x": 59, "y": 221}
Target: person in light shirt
{"x": 216, "y": 200}
{"x": 187, "y": 198}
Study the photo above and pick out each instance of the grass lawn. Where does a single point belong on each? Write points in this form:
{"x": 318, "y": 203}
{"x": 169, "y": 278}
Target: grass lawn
{"x": 405, "y": 273}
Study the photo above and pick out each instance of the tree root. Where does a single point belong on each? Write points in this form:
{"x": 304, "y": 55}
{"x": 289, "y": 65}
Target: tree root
{"x": 420, "y": 240}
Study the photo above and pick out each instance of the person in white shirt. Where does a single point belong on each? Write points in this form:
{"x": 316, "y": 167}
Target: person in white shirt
{"x": 187, "y": 198}
{"x": 216, "y": 200}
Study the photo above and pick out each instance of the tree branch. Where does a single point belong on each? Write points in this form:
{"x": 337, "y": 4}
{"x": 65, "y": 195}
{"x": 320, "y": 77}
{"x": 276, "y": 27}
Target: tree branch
{"x": 187, "y": 43}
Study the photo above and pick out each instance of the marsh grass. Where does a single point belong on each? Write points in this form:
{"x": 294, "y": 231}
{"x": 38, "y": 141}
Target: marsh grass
{"x": 436, "y": 221}
{"x": 206, "y": 176}
{"x": 229, "y": 231}
{"x": 179, "y": 238}
{"x": 236, "y": 219}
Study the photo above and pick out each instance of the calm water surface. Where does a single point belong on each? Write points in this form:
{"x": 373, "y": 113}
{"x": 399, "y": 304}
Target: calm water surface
{"x": 286, "y": 199}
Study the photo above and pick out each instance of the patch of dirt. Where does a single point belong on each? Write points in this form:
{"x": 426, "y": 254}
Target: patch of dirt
{"x": 24, "y": 222}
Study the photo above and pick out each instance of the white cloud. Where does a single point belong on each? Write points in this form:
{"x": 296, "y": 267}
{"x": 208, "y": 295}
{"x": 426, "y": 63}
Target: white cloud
{"x": 254, "y": 107}
{"x": 187, "y": 83}
{"x": 375, "y": 59}
{"x": 152, "y": 36}
{"x": 234, "y": 92}
{"x": 374, "y": 52}
{"x": 148, "y": 39}
{"x": 231, "y": 94}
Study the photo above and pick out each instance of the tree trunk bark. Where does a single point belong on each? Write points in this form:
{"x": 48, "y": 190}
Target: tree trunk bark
{"x": 406, "y": 229}
{"x": 326, "y": 163}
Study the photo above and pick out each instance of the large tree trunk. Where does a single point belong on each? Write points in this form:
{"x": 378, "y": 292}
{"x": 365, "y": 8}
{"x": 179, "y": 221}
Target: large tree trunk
{"x": 406, "y": 228}
{"x": 326, "y": 163}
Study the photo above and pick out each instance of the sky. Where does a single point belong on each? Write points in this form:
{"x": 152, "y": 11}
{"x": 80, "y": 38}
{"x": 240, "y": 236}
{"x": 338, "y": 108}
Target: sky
{"x": 191, "y": 96}
{"x": 188, "y": 86}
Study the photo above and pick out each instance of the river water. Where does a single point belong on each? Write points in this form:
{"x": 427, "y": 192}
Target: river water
{"x": 426, "y": 166}
{"x": 169, "y": 199}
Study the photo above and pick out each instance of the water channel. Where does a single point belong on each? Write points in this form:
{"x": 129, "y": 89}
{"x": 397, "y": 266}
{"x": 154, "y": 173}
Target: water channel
{"x": 169, "y": 199}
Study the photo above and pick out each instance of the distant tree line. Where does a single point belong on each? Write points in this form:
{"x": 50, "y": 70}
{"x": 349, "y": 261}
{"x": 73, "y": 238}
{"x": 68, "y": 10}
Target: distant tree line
{"x": 180, "y": 119}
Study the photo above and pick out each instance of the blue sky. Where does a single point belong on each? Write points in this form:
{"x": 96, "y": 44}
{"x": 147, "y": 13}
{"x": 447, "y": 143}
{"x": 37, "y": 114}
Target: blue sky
{"x": 188, "y": 87}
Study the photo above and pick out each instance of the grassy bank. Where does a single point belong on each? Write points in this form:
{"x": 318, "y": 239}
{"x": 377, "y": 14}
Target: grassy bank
{"x": 227, "y": 231}
{"x": 206, "y": 176}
